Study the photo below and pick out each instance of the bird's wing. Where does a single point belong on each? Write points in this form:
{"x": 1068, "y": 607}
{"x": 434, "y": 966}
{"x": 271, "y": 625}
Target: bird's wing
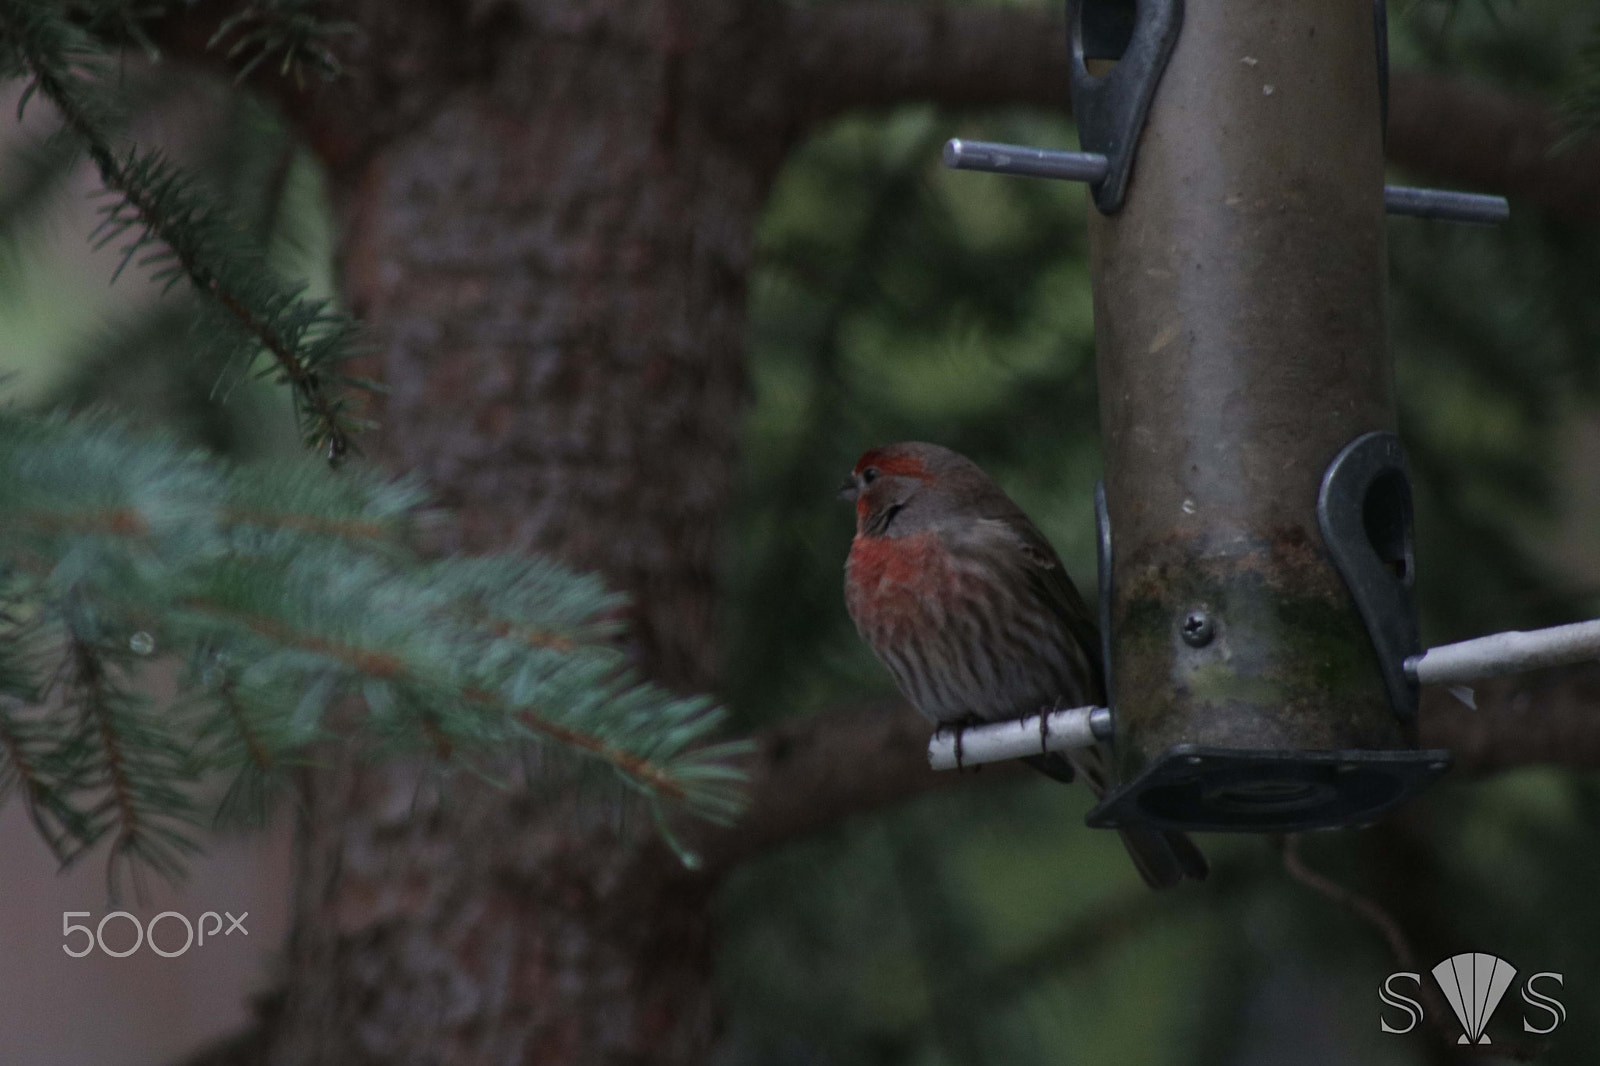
{"x": 1050, "y": 580}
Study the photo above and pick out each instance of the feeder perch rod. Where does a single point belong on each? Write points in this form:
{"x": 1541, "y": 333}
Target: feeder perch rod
{"x": 1079, "y": 727}
{"x": 1091, "y": 167}
{"x": 1506, "y": 653}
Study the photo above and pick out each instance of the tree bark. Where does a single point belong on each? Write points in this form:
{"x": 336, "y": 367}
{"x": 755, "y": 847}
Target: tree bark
{"x": 550, "y": 236}
{"x": 555, "y": 257}
{"x": 466, "y": 925}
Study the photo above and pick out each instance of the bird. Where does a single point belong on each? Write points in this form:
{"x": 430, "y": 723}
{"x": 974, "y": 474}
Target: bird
{"x": 967, "y": 604}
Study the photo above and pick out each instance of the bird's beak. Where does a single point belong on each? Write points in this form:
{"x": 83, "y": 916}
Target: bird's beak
{"x": 849, "y": 490}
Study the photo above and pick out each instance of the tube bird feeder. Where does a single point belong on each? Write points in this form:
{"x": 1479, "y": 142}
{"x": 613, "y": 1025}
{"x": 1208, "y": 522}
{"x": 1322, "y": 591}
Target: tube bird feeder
{"x": 1240, "y": 331}
{"x": 1256, "y": 559}
{"x": 1260, "y": 637}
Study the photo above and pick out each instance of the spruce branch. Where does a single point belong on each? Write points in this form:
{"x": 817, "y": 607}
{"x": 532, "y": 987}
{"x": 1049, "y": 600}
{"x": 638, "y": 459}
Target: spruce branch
{"x": 235, "y": 738}
{"x": 26, "y": 767}
{"x": 92, "y": 696}
{"x": 171, "y": 225}
{"x": 34, "y": 760}
{"x": 294, "y": 30}
{"x": 121, "y": 22}
{"x": 129, "y": 771}
{"x": 386, "y": 666}
{"x": 307, "y": 620}
{"x": 251, "y": 742}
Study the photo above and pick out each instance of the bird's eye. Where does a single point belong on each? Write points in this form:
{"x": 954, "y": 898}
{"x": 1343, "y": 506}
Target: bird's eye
{"x": 869, "y": 475}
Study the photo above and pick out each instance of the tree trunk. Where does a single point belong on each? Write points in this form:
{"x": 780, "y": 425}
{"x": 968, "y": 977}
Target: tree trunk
{"x": 554, "y": 258}
{"x": 468, "y": 925}
{"x": 552, "y": 253}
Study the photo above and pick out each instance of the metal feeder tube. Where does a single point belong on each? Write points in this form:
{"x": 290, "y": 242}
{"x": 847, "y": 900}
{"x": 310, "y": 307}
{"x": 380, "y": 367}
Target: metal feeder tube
{"x": 1239, "y": 325}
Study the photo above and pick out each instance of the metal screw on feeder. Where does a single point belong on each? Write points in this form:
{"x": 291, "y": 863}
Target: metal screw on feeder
{"x": 1197, "y": 629}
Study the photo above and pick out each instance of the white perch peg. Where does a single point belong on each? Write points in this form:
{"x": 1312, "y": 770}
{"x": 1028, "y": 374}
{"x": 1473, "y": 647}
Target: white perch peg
{"x": 1077, "y": 727}
{"x": 1506, "y": 653}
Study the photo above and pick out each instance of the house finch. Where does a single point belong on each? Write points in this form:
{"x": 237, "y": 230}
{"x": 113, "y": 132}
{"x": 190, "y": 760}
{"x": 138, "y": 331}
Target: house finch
{"x": 966, "y": 603}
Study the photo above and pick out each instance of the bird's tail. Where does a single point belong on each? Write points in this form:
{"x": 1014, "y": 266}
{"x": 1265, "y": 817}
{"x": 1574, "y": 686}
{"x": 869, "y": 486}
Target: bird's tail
{"x": 1162, "y": 857}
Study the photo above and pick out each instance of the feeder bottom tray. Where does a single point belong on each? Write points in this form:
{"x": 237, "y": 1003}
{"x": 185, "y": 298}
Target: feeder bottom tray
{"x": 1229, "y": 790}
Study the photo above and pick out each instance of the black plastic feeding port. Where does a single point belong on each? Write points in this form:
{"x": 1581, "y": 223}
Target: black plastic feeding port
{"x": 1106, "y": 28}
{"x": 1364, "y": 511}
{"x": 1110, "y": 110}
